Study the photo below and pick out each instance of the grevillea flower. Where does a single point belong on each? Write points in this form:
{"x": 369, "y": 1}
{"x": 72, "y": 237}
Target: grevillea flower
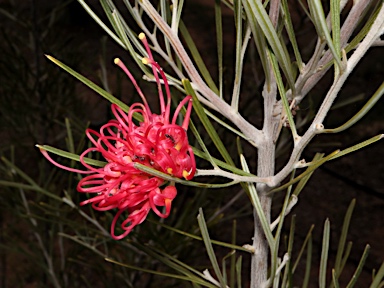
{"x": 157, "y": 142}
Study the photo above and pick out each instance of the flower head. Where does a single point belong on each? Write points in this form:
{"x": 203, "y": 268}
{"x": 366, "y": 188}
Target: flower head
{"x": 157, "y": 142}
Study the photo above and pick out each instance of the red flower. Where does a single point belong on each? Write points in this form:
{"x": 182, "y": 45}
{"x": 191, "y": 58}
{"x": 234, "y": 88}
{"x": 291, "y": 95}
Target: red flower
{"x": 157, "y": 142}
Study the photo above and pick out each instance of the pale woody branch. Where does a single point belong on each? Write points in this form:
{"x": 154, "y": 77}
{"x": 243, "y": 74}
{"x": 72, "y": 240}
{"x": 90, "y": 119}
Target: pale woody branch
{"x": 317, "y": 127}
{"x": 315, "y": 69}
{"x": 221, "y": 106}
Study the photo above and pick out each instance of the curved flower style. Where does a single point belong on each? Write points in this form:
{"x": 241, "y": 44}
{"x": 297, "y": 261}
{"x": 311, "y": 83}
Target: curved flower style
{"x": 157, "y": 142}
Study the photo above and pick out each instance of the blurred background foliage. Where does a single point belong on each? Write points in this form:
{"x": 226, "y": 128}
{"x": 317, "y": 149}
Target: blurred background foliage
{"x": 46, "y": 242}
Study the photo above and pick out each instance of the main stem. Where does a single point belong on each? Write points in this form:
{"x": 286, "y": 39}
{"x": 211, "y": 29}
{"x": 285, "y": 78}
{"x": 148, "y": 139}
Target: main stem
{"x": 265, "y": 168}
{"x": 259, "y": 265}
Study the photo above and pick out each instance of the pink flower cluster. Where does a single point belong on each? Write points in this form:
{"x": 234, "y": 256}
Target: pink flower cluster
{"x": 157, "y": 142}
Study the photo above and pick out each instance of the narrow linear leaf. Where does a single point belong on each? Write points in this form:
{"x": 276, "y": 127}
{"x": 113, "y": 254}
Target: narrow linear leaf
{"x": 343, "y": 237}
{"x": 238, "y": 271}
{"x": 219, "y": 243}
{"x": 233, "y": 256}
{"x": 101, "y": 23}
{"x": 309, "y": 170}
{"x": 347, "y": 252}
{"x": 181, "y": 264}
{"x": 335, "y": 282}
{"x": 257, "y": 205}
{"x": 317, "y": 12}
{"x": 308, "y": 263}
{"x": 280, "y": 85}
{"x": 30, "y": 188}
{"x": 168, "y": 177}
{"x": 259, "y": 40}
{"x": 288, "y": 274}
{"x": 378, "y": 277}
{"x": 178, "y": 15}
{"x": 362, "y": 112}
{"x": 196, "y": 133}
{"x": 300, "y": 186}
{"x": 168, "y": 12}
{"x": 363, "y": 32}
{"x": 164, "y": 274}
{"x": 358, "y": 146}
{"x": 91, "y": 85}
{"x": 335, "y": 22}
{"x": 227, "y": 126}
{"x": 237, "y": 8}
{"x": 219, "y": 40}
{"x": 197, "y": 58}
{"x": 72, "y": 156}
{"x": 220, "y": 163}
{"x": 306, "y": 241}
{"x": 324, "y": 255}
{"x": 71, "y": 146}
{"x": 291, "y": 33}
{"x": 122, "y": 31}
{"x": 208, "y": 246}
{"x": 359, "y": 268}
{"x": 278, "y": 47}
{"x": 13, "y": 168}
{"x": 193, "y": 275}
{"x": 207, "y": 124}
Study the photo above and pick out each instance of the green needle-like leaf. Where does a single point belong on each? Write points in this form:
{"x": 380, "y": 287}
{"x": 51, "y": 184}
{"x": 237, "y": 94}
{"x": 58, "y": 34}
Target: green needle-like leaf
{"x": 122, "y": 31}
{"x": 193, "y": 275}
{"x": 207, "y": 124}
{"x": 309, "y": 170}
{"x": 300, "y": 186}
{"x": 219, "y": 243}
{"x": 343, "y": 237}
{"x": 288, "y": 268}
{"x": 101, "y": 23}
{"x": 363, "y": 111}
{"x": 30, "y": 188}
{"x": 363, "y": 32}
{"x": 376, "y": 283}
{"x": 335, "y": 282}
{"x": 168, "y": 177}
{"x": 220, "y": 163}
{"x": 347, "y": 252}
{"x": 239, "y": 61}
{"x": 72, "y": 156}
{"x": 358, "y": 146}
{"x": 291, "y": 33}
{"x": 359, "y": 268}
{"x": 280, "y": 85}
{"x": 259, "y": 39}
{"x": 70, "y": 143}
{"x": 305, "y": 243}
{"x": 91, "y": 85}
{"x": 308, "y": 263}
{"x": 324, "y": 255}
{"x": 257, "y": 205}
{"x": 225, "y": 125}
{"x": 320, "y": 23}
{"x": 219, "y": 40}
{"x": 238, "y": 271}
{"x": 137, "y": 268}
{"x": 208, "y": 246}
{"x": 233, "y": 256}
{"x": 196, "y": 56}
{"x": 335, "y": 20}
{"x": 278, "y": 47}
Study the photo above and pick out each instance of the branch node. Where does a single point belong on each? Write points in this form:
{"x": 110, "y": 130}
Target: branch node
{"x": 319, "y": 127}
